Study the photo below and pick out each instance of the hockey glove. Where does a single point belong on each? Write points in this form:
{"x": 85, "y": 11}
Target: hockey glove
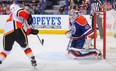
{"x": 28, "y": 31}
{"x": 32, "y": 31}
{"x": 30, "y": 20}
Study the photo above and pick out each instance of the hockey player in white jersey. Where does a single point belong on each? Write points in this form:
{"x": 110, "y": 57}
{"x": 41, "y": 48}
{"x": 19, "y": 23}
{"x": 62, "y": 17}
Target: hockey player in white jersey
{"x": 81, "y": 35}
{"x": 14, "y": 31}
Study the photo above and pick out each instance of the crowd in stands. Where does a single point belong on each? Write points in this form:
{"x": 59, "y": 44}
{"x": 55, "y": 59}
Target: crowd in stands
{"x": 35, "y": 6}
{"x": 83, "y": 6}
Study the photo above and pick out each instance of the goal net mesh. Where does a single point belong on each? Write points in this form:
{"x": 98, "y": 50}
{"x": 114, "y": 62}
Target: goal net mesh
{"x": 108, "y": 44}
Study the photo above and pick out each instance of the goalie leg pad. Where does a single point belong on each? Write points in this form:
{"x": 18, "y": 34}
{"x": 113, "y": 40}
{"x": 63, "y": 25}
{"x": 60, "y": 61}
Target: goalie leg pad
{"x": 79, "y": 53}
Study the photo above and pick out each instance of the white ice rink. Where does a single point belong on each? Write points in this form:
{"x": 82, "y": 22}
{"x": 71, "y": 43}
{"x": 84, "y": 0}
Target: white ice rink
{"x": 52, "y": 57}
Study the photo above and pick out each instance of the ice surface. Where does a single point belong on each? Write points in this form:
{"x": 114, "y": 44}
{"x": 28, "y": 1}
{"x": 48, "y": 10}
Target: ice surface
{"x": 52, "y": 57}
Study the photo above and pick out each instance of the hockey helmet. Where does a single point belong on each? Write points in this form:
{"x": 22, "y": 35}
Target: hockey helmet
{"x": 14, "y": 7}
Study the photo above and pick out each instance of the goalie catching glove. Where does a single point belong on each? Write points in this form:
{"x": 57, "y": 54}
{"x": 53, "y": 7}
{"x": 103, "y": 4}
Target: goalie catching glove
{"x": 32, "y": 31}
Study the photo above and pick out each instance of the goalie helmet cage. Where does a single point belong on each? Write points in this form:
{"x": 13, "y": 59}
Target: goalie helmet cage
{"x": 104, "y": 30}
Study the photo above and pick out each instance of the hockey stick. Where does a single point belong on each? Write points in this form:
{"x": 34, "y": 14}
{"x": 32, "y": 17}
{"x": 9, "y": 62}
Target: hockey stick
{"x": 41, "y": 40}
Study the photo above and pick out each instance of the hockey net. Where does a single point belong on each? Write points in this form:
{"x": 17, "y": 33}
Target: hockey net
{"x": 108, "y": 44}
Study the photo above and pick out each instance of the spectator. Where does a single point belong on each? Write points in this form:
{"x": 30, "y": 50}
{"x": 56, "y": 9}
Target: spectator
{"x": 107, "y": 6}
{"x": 88, "y": 7}
{"x": 69, "y": 8}
{"x": 8, "y": 9}
{"x": 83, "y": 10}
{"x": 72, "y": 4}
{"x": 83, "y": 4}
{"x": 78, "y": 2}
{"x": 31, "y": 9}
{"x": 61, "y": 10}
{"x": 1, "y": 9}
{"x": 115, "y": 6}
{"x": 39, "y": 9}
{"x": 76, "y": 8}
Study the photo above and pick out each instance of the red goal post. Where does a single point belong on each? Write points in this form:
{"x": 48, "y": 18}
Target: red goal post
{"x": 104, "y": 31}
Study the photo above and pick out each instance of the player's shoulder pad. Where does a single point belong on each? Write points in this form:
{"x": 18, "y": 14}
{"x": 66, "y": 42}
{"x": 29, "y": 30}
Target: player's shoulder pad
{"x": 20, "y": 11}
{"x": 81, "y": 20}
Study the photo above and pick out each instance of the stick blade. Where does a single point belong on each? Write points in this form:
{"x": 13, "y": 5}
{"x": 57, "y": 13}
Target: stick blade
{"x": 42, "y": 41}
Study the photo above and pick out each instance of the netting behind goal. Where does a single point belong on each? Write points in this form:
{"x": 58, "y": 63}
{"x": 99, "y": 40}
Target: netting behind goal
{"x": 108, "y": 44}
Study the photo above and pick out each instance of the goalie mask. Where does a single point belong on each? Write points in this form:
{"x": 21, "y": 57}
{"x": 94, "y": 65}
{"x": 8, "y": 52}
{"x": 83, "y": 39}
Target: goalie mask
{"x": 14, "y": 7}
{"x": 73, "y": 15}
{"x": 72, "y": 12}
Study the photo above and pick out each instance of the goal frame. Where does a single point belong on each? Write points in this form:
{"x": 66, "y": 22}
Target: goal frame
{"x": 104, "y": 31}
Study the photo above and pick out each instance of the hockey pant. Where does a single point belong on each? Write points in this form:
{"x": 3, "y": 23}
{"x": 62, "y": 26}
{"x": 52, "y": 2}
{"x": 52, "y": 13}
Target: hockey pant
{"x": 20, "y": 37}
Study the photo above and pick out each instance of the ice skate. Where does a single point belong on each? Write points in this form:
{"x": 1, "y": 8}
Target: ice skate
{"x": 33, "y": 62}
{"x": 0, "y": 62}
{"x": 99, "y": 54}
